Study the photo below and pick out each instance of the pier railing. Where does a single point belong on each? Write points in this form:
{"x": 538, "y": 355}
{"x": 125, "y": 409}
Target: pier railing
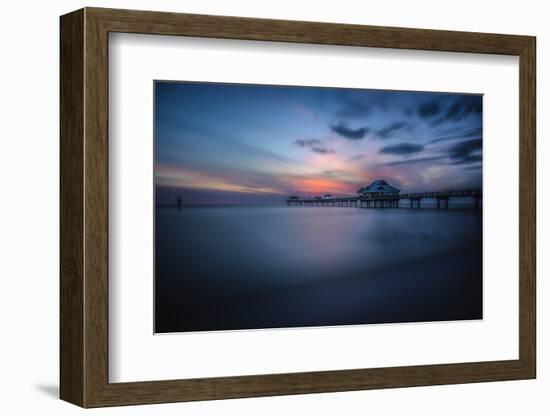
{"x": 391, "y": 200}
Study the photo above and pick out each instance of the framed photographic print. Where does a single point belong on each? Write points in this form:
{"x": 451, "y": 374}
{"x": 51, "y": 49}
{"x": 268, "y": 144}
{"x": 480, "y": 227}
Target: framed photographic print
{"x": 261, "y": 207}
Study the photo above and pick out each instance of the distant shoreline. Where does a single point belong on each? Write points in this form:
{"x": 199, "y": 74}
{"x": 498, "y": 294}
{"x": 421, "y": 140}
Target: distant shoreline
{"x": 216, "y": 205}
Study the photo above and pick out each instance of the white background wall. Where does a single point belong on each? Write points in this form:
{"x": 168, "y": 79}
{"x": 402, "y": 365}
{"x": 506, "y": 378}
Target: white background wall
{"x": 29, "y": 207}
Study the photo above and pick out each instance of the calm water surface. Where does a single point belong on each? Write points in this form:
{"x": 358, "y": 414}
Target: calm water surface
{"x": 222, "y": 268}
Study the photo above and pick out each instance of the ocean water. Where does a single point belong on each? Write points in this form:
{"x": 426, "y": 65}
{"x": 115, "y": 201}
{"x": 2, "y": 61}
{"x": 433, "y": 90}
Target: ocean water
{"x": 252, "y": 267}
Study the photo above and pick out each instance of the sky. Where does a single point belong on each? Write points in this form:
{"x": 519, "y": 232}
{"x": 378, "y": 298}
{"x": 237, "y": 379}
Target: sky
{"x": 253, "y": 144}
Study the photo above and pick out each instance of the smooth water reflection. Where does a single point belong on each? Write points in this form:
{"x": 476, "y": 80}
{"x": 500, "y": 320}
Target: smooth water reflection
{"x": 220, "y": 268}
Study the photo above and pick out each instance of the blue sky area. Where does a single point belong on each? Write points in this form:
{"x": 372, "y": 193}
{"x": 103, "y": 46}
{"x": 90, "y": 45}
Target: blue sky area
{"x": 251, "y": 144}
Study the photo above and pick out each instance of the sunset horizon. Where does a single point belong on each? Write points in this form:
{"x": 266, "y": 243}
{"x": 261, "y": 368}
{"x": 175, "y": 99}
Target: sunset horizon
{"x": 240, "y": 144}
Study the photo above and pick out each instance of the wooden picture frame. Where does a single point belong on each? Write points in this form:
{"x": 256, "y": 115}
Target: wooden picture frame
{"x": 84, "y": 207}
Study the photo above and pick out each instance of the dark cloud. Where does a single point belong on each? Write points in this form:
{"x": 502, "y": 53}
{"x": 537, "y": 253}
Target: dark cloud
{"x": 414, "y": 161}
{"x": 461, "y": 134}
{"x": 356, "y": 157}
{"x": 466, "y": 152}
{"x": 315, "y": 145}
{"x": 402, "y": 149}
{"x": 429, "y": 109}
{"x": 463, "y": 107}
{"x": 456, "y": 108}
{"x": 348, "y": 133}
{"x": 460, "y": 108}
{"x": 307, "y": 142}
{"x": 321, "y": 150}
{"x": 393, "y": 128}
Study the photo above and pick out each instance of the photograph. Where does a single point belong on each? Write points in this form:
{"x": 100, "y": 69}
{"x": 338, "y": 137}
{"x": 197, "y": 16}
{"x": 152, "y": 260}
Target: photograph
{"x": 298, "y": 206}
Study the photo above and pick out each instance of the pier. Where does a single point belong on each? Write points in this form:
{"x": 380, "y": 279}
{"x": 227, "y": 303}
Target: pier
{"x": 390, "y": 200}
